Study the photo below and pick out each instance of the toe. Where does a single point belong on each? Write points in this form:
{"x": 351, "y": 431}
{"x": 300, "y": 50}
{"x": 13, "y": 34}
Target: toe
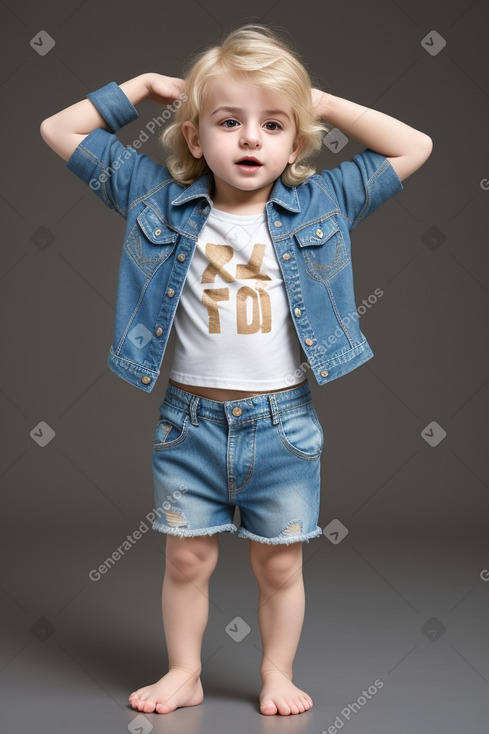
{"x": 138, "y": 692}
{"x": 283, "y": 708}
{"x": 268, "y": 708}
{"x": 135, "y": 702}
{"x": 163, "y": 708}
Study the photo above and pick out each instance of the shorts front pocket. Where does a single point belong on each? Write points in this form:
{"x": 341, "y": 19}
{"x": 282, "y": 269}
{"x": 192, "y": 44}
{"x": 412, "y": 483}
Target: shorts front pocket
{"x": 301, "y": 432}
{"x": 171, "y": 428}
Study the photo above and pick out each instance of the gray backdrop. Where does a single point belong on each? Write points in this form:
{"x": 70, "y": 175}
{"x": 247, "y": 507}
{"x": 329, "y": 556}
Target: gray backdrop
{"x": 403, "y": 597}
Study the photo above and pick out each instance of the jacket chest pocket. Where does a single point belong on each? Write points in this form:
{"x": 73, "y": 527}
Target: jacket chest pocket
{"x": 150, "y": 242}
{"x": 323, "y": 248}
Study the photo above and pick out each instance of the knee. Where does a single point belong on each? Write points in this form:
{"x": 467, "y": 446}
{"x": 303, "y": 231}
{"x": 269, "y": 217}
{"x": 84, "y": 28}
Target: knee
{"x": 277, "y": 568}
{"x": 190, "y": 559}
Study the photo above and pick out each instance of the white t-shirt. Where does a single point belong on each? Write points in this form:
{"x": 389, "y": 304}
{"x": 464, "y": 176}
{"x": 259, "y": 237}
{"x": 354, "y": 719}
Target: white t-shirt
{"x": 233, "y": 324}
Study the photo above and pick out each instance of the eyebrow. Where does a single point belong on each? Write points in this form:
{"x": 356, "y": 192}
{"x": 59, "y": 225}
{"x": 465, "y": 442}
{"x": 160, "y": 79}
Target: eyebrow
{"x": 238, "y": 109}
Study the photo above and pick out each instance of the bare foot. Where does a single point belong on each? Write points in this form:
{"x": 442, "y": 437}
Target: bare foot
{"x": 176, "y": 688}
{"x": 280, "y": 696}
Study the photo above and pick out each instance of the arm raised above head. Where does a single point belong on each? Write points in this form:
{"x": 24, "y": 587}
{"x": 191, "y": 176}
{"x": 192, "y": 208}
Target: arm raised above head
{"x": 405, "y": 147}
{"x": 84, "y": 136}
{"x": 65, "y": 130}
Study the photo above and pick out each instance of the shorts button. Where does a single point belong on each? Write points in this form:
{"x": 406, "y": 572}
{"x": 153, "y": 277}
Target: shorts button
{"x": 237, "y": 411}
{"x": 146, "y": 380}
{"x": 309, "y": 341}
{"x": 324, "y": 373}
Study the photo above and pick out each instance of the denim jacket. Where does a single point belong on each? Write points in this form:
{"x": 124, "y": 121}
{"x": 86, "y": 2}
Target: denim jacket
{"x": 309, "y": 226}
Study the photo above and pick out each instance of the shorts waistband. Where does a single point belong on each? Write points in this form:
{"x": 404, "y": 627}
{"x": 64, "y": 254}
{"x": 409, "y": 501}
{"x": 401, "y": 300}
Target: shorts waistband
{"x": 240, "y": 410}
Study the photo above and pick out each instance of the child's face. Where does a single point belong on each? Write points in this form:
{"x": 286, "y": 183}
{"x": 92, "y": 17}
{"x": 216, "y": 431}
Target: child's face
{"x": 262, "y": 126}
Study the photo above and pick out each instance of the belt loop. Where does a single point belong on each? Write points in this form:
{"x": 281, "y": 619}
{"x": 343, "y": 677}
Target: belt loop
{"x": 273, "y": 408}
{"x": 194, "y": 402}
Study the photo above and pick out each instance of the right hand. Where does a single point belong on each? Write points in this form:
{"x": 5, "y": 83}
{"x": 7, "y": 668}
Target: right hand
{"x": 164, "y": 89}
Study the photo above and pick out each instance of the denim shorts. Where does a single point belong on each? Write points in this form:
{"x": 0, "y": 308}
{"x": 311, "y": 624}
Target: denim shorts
{"x": 260, "y": 453}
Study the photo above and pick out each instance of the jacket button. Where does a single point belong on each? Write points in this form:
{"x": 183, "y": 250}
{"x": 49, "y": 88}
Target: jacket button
{"x": 181, "y": 257}
{"x": 170, "y": 292}
{"x": 237, "y": 411}
{"x": 297, "y": 311}
{"x": 324, "y": 373}
{"x": 309, "y": 341}
{"x": 159, "y": 331}
{"x": 157, "y": 232}
{"x": 319, "y": 233}
{"x": 278, "y": 223}
{"x": 286, "y": 256}
{"x": 146, "y": 380}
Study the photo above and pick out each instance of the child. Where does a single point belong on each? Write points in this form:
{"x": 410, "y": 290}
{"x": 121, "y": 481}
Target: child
{"x": 254, "y": 247}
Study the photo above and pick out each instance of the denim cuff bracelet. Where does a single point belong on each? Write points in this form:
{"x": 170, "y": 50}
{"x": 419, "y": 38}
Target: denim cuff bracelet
{"x": 114, "y": 106}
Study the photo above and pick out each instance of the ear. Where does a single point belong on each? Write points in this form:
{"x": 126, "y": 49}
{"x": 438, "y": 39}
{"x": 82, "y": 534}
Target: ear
{"x": 298, "y": 145}
{"x": 191, "y": 135}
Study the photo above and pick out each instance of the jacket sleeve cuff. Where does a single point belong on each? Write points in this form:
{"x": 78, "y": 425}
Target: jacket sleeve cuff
{"x": 114, "y": 106}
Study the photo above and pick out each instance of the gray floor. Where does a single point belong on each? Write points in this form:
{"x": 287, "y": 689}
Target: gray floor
{"x": 400, "y": 606}
{"x": 402, "y": 618}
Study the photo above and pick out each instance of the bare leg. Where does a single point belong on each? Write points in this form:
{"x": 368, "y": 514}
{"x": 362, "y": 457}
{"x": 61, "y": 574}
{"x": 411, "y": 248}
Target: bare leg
{"x": 281, "y": 606}
{"x": 185, "y": 604}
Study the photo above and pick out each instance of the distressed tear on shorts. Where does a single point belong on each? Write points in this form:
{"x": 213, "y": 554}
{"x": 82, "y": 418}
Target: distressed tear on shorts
{"x": 175, "y": 519}
{"x": 294, "y": 527}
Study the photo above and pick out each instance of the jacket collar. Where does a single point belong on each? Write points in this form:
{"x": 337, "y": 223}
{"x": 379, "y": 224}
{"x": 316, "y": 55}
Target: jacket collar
{"x": 285, "y": 196}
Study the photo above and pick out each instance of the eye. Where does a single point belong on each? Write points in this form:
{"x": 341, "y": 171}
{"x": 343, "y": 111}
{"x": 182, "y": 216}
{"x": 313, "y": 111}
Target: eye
{"x": 229, "y": 120}
{"x": 271, "y": 122}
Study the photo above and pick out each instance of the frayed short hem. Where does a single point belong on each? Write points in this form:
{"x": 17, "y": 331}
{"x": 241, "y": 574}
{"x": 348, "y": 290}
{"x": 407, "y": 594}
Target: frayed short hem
{"x": 283, "y": 539}
{"x": 184, "y": 533}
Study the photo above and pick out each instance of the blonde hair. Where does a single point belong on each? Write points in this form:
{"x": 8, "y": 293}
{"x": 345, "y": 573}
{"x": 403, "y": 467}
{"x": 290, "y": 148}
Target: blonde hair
{"x": 262, "y": 58}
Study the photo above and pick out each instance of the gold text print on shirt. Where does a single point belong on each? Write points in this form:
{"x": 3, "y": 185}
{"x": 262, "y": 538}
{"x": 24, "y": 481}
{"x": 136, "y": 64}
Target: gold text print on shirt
{"x": 219, "y": 256}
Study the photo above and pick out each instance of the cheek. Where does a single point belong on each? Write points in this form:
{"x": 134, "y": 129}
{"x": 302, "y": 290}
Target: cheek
{"x": 216, "y": 142}
{"x": 283, "y": 152}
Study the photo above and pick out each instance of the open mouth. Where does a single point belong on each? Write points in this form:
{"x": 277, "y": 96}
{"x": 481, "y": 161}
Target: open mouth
{"x": 249, "y": 164}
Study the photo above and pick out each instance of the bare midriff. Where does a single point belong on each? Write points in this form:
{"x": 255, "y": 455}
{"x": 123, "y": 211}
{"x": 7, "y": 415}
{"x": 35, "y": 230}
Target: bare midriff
{"x": 217, "y": 393}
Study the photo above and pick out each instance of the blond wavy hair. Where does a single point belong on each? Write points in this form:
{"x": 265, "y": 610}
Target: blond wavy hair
{"x": 262, "y": 58}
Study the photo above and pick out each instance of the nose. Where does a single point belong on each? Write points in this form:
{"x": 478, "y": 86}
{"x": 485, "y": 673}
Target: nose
{"x": 250, "y": 135}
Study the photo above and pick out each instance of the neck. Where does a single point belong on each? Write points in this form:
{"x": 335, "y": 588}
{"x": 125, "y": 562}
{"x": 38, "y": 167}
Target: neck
{"x": 240, "y": 202}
